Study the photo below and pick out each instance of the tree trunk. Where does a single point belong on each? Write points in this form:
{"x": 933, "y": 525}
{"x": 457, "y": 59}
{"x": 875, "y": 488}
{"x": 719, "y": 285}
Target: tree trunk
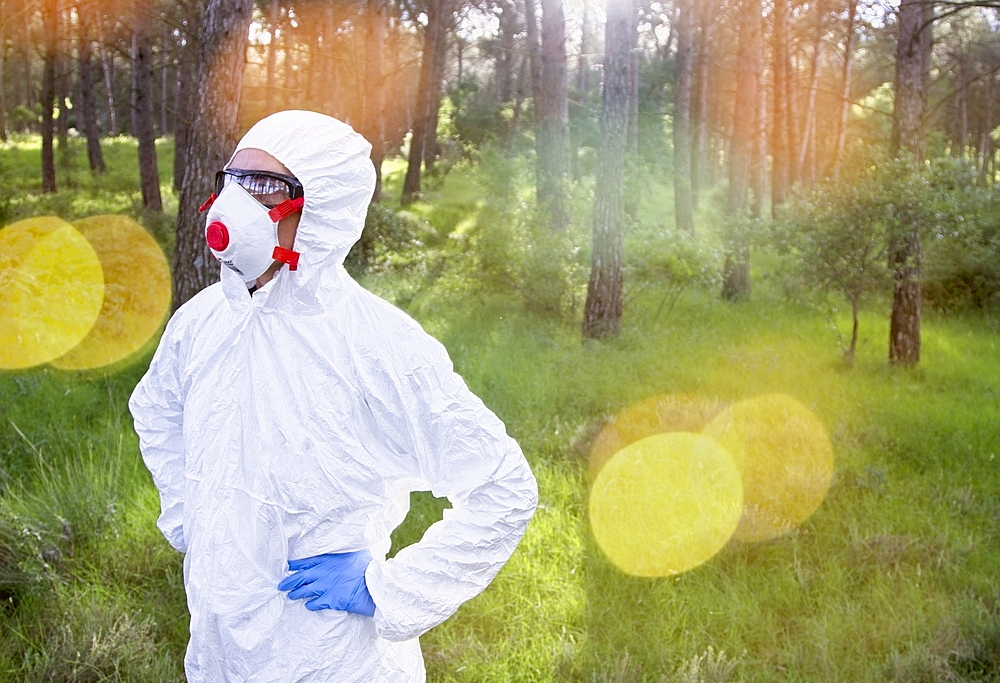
{"x": 854, "y": 334}
{"x": 272, "y": 55}
{"x": 211, "y": 138}
{"x": 534, "y": 53}
{"x": 912, "y": 74}
{"x": 603, "y": 311}
{"x": 845, "y": 106}
{"x": 425, "y": 92}
{"x": 88, "y": 110}
{"x": 809, "y": 135}
{"x": 107, "y": 67}
{"x": 583, "y": 63}
{"x": 683, "y": 200}
{"x": 632, "y": 144}
{"x": 758, "y": 164}
{"x": 505, "y": 52}
{"x": 50, "y": 24}
{"x": 986, "y": 141}
{"x": 736, "y": 284}
{"x": 144, "y": 116}
{"x": 553, "y": 118}
{"x": 164, "y": 80}
{"x": 186, "y": 69}
{"x": 434, "y": 103}
{"x": 62, "y": 89}
{"x": 792, "y": 97}
{"x": 3, "y": 80}
{"x": 372, "y": 117}
{"x": 779, "y": 129}
{"x": 700, "y": 162}
{"x": 28, "y": 47}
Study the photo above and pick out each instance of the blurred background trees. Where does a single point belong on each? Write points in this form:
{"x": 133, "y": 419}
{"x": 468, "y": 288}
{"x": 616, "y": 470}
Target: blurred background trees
{"x": 739, "y": 104}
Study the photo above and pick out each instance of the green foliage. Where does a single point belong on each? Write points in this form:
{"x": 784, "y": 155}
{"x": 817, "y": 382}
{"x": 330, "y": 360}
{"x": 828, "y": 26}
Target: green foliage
{"x": 962, "y": 264}
{"x": 514, "y": 252}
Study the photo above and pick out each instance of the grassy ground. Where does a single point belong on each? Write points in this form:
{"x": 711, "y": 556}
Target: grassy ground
{"x": 894, "y": 578}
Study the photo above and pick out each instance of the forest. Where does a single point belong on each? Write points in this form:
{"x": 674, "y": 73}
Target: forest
{"x": 625, "y": 221}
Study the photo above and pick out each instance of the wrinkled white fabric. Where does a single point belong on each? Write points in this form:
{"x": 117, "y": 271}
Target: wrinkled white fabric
{"x": 295, "y": 422}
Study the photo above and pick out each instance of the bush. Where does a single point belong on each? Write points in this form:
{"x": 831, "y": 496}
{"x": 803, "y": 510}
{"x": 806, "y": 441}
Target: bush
{"x": 388, "y": 239}
{"x": 513, "y": 250}
{"x": 962, "y": 263}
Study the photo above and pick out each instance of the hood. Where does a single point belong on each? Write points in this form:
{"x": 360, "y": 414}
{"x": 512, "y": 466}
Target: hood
{"x": 338, "y": 179}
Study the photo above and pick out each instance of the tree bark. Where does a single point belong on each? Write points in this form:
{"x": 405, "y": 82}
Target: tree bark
{"x": 534, "y": 53}
{"x": 505, "y": 51}
{"x": 683, "y": 199}
{"x": 700, "y": 163}
{"x": 603, "y": 311}
{"x": 434, "y": 104}
{"x": 145, "y": 117}
{"x": 3, "y": 80}
{"x": 553, "y": 123}
{"x": 28, "y": 46}
{"x": 845, "y": 106}
{"x": 62, "y": 88}
{"x": 425, "y": 92}
{"x": 779, "y": 129}
{"x": 912, "y": 73}
{"x": 272, "y": 55}
{"x": 50, "y": 24}
{"x": 186, "y": 69}
{"x": 374, "y": 129}
{"x": 106, "y": 67}
{"x": 583, "y": 63}
{"x": 736, "y": 284}
{"x": 632, "y": 144}
{"x": 211, "y": 138}
{"x": 88, "y": 110}
{"x": 164, "y": 79}
{"x": 809, "y": 134}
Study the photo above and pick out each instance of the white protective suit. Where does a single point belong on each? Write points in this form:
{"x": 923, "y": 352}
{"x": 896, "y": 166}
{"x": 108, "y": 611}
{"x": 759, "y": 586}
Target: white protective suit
{"x": 295, "y": 422}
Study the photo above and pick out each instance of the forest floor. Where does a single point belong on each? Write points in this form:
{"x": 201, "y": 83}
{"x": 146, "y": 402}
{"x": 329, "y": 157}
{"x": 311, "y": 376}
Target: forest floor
{"x": 896, "y": 577}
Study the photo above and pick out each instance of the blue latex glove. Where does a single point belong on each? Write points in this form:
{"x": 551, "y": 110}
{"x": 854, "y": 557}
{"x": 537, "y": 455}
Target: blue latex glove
{"x": 333, "y": 581}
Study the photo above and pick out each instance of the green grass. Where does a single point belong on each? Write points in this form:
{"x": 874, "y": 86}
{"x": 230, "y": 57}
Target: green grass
{"x": 895, "y": 578}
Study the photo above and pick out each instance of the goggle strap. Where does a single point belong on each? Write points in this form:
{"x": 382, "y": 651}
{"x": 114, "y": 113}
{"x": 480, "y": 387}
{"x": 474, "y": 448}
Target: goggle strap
{"x": 287, "y": 256}
{"x": 286, "y": 208}
{"x": 208, "y": 204}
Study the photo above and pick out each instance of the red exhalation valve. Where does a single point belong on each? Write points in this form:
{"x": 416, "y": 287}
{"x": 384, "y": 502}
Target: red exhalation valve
{"x": 286, "y": 256}
{"x": 217, "y": 236}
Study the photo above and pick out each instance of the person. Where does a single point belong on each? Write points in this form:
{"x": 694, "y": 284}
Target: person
{"x": 286, "y": 416}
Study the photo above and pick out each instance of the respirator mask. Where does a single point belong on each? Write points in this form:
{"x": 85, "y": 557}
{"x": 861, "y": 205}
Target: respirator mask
{"x": 243, "y": 214}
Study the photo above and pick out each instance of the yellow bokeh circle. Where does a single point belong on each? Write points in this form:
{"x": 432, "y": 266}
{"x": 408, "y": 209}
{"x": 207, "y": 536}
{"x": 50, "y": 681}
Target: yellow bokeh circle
{"x": 666, "y": 504}
{"x": 785, "y": 457}
{"x": 51, "y": 290}
{"x": 654, "y": 415}
{"x": 136, "y": 292}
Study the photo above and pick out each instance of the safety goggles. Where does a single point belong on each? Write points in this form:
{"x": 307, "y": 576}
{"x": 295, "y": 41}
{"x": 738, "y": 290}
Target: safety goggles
{"x": 270, "y": 189}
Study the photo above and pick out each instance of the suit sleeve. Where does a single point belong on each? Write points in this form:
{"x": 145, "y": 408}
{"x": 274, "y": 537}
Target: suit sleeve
{"x": 157, "y": 407}
{"x": 463, "y": 450}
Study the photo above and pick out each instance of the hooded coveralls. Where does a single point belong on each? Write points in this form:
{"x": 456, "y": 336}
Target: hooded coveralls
{"x": 294, "y": 422}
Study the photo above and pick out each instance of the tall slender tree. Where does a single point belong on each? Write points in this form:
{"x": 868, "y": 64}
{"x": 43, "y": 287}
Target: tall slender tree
{"x": 145, "y": 121}
{"x": 603, "y": 310}
{"x": 50, "y": 25}
{"x": 845, "y": 105}
{"x": 736, "y": 276}
{"x": 373, "y": 117}
{"x": 683, "y": 199}
{"x": 426, "y": 93}
{"x": 553, "y": 118}
{"x": 85, "y": 77}
{"x": 225, "y": 25}
{"x": 913, "y": 56}
{"x": 3, "y": 80}
{"x": 780, "y": 120}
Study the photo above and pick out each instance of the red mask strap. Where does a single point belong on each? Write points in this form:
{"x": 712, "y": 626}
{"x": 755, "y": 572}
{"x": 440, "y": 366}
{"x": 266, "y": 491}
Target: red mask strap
{"x": 286, "y": 256}
{"x": 286, "y": 208}
{"x": 208, "y": 204}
